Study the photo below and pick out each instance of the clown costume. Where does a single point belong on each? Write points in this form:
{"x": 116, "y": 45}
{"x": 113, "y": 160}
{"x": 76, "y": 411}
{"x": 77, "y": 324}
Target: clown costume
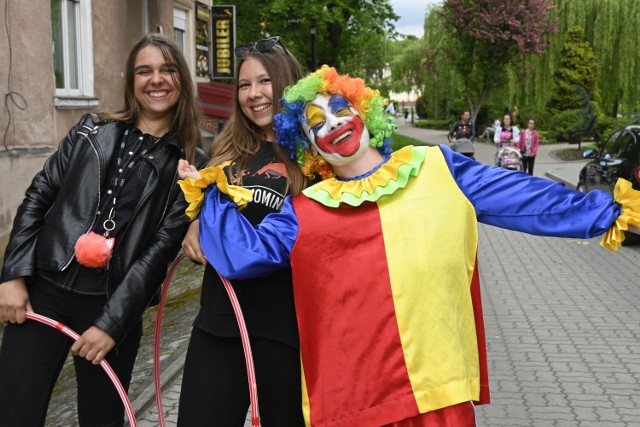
{"x": 383, "y": 254}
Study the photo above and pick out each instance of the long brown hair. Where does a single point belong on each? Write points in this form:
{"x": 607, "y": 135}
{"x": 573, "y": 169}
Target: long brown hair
{"x": 240, "y": 137}
{"x": 186, "y": 119}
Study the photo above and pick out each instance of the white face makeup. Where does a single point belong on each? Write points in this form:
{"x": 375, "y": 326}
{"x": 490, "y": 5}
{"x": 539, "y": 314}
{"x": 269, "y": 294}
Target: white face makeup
{"x": 335, "y": 129}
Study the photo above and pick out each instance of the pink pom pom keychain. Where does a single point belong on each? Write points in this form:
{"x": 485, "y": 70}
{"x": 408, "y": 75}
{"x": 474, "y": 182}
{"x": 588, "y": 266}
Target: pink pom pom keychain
{"x": 94, "y": 250}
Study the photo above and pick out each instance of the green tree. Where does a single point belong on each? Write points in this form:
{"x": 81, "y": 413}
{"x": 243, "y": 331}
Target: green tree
{"x": 610, "y": 27}
{"x": 406, "y": 64}
{"x": 488, "y": 37}
{"x": 615, "y": 42}
{"x": 576, "y": 71}
{"x": 328, "y": 32}
{"x": 426, "y": 64}
{"x": 335, "y": 33}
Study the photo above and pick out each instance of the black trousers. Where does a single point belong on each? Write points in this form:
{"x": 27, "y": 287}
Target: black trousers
{"x": 32, "y": 356}
{"x": 527, "y": 163}
{"x": 215, "y": 390}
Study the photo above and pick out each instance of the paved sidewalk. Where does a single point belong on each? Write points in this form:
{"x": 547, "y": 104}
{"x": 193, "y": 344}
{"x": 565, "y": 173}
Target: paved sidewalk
{"x": 562, "y": 324}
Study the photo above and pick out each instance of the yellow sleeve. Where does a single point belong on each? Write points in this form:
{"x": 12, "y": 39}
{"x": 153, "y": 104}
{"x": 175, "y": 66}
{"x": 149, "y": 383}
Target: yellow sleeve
{"x": 193, "y": 190}
{"x": 629, "y": 200}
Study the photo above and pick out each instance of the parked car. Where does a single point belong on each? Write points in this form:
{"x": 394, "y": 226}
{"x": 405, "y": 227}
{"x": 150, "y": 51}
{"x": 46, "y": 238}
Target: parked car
{"x": 618, "y": 158}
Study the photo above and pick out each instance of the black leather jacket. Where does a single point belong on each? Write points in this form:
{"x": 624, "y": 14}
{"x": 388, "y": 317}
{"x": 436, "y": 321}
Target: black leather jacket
{"x": 62, "y": 203}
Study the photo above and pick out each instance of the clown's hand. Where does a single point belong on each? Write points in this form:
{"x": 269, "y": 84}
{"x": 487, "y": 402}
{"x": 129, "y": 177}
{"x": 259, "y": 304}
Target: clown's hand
{"x": 633, "y": 228}
{"x": 187, "y": 170}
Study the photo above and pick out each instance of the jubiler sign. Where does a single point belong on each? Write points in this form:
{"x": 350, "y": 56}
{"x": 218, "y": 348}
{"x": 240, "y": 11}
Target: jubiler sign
{"x": 223, "y": 41}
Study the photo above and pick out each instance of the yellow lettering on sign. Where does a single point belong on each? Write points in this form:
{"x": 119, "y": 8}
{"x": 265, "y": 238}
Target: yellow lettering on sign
{"x": 223, "y": 46}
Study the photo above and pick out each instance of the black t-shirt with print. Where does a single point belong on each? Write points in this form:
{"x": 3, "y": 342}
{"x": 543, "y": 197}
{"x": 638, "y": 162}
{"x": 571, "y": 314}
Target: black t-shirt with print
{"x": 267, "y": 302}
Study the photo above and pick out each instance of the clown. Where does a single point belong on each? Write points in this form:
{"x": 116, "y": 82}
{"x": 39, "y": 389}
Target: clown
{"x": 383, "y": 254}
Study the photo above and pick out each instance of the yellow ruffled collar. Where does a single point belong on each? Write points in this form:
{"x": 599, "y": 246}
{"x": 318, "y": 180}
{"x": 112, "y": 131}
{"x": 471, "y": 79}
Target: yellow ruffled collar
{"x": 386, "y": 179}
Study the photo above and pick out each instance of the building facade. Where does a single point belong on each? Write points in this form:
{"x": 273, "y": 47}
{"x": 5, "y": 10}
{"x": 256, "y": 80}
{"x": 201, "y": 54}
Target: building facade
{"x": 60, "y": 59}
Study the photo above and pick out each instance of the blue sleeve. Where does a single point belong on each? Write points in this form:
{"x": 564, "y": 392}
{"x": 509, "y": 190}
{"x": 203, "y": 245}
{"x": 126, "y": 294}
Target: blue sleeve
{"x": 235, "y": 248}
{"x": 521, "y": 202}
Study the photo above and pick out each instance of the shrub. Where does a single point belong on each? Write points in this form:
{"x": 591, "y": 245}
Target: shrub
{"x": 433, "y": 124}
{"x": 564, "y": 122}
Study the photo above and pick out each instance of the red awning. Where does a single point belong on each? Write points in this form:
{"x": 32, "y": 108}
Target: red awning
{"x": 216, "y": 99}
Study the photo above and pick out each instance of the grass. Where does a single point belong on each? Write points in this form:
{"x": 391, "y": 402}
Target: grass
{"x": 400, "y": 141}
{"x": 569, "y": 154}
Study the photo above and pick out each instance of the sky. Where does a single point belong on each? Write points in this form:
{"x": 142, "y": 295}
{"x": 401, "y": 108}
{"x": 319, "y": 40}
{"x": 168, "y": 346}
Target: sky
{"x": 412, "y": 13}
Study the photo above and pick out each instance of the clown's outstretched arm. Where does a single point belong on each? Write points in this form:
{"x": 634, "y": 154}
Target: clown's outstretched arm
{"x": 538, "y": 206}
{"x": 235, "y": 248}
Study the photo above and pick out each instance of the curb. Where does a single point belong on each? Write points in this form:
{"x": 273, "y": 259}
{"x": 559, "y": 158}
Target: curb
{"x": 555, "y": 177}
{"x": 147, "y": 397}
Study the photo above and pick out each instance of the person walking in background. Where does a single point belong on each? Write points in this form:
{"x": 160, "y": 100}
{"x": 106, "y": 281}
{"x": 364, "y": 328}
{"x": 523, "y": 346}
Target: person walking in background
{"x": 387, "y": 338}
{"x": 490, "y": 131}
{"x": 462, "y": 128}
{"x": 528, "y": 146}
{"x": 507, "y": 135}
{"x": 214, "y": 385}
{"x": 93, "y": 238}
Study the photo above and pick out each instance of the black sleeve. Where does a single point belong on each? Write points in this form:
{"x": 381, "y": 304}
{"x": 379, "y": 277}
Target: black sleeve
{"x": 20, "y": 254}
{"x": 453, "y": 130}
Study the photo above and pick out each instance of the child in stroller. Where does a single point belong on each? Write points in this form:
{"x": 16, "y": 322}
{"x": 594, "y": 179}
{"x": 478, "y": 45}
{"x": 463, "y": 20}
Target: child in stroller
{"x": 509, "y": 157}
{"x": 506, "y": 138}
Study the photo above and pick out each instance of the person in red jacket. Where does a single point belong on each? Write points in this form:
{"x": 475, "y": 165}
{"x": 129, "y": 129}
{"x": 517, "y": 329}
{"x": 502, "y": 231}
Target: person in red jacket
{"x": 528, "y": 146}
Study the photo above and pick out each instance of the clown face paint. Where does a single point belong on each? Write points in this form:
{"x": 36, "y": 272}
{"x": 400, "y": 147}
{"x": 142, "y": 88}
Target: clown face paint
{"x": 335, "y": 129}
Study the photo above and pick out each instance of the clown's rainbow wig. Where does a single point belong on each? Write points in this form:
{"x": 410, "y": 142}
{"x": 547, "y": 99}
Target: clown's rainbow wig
{"x": 326, "y": 81}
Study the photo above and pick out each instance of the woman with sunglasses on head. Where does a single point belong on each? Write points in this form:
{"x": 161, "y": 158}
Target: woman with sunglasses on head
{"x": 92, "y": 241}
{"x": 214, "y": 386}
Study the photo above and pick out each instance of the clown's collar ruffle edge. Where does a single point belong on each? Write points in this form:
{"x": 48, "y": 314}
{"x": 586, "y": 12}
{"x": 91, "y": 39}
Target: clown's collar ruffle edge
{"x": 391, "y": 176}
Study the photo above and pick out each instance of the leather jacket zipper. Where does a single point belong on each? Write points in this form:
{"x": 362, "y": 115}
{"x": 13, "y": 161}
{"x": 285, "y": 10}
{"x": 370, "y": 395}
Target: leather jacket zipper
{"x": 91, "y": 131}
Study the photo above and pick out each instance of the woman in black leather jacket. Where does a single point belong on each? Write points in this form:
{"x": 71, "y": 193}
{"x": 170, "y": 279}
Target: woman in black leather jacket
{"x": 112, "y": 181}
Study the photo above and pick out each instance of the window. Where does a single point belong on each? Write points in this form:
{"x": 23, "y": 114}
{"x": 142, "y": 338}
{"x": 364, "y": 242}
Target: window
{"x": 180, "y": 29}
{"x": 623, "y": 145}
{"x": 72, "y": 53}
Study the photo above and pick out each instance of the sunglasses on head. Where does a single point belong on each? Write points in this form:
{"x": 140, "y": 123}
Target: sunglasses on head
{"x": 261, "y": 46}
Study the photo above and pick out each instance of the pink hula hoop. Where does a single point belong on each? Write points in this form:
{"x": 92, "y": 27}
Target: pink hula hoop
{"x": 244, "y": 335}
{"x": 104, "y": 364}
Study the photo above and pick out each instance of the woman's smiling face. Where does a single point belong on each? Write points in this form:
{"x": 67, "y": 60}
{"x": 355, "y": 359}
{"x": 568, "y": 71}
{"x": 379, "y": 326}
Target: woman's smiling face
{"x": 154, "y": 85}
{"x": 255, "y": 95}
{"x": 335, "y": 129}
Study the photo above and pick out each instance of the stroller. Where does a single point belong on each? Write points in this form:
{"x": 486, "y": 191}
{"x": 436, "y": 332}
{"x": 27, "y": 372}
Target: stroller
{"x": 509, "y": 157}
{"x": 464, "y": 146}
